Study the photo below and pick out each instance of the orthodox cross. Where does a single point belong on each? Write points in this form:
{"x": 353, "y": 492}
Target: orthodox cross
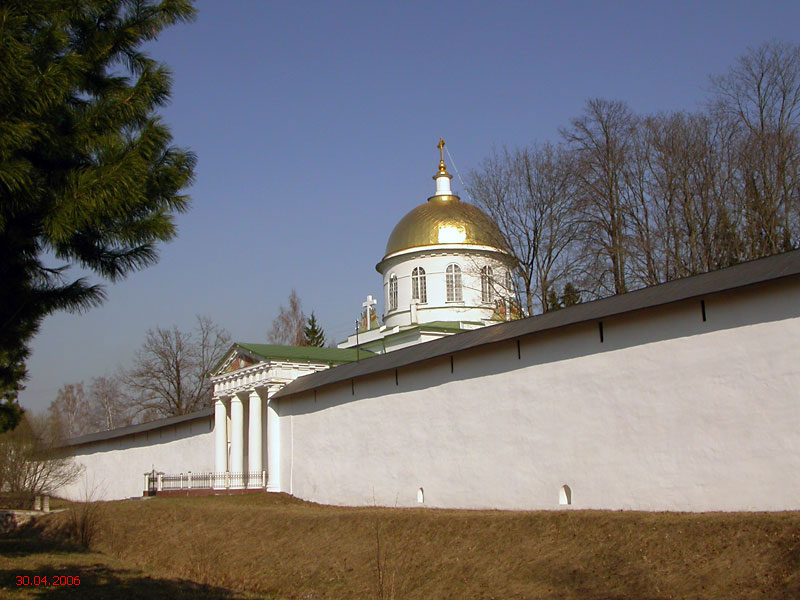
{"x": 368, "y": 305}
{"x": 440, "y": 146}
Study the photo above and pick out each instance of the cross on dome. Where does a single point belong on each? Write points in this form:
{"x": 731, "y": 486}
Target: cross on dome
{"x": 365, "y": 324}
{"x": 442, "y": 177}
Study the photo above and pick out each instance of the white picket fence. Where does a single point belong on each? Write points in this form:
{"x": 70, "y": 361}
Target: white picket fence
{"x": 155, "y": 481}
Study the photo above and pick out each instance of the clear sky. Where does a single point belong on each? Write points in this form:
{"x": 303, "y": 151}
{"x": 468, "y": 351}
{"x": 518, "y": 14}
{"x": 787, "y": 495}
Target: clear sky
{"x": 316, "y": 123}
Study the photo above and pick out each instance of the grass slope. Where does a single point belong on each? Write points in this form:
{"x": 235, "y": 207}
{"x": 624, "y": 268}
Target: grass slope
{"x": 99, "y": 577}
{"x": 275, "y": 546}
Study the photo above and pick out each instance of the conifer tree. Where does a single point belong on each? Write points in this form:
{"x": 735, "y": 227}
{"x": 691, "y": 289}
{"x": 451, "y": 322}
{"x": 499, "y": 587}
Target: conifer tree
{"x": 88, "y": 175}
{"x": 571, "y": 296}
{"x": 313, "y": 333}
{"x": 553, "y": 303}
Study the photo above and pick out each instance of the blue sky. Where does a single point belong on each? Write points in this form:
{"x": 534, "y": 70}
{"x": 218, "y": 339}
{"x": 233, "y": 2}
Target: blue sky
{"x": 315, "y": 126}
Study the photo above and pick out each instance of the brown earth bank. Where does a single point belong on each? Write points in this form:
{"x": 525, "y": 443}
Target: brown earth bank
{"x": 275, "y": 546}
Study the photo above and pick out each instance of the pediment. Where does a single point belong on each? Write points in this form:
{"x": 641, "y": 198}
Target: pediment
{"x": 240, "y": 362}
{"x": 235, "y": 360}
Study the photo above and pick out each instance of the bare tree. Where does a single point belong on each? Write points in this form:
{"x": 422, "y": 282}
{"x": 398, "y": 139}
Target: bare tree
{"x": 30, "y": 463}
{"x": 760, "y": 97}
{"x": 691, "y": 194}
{"x": 530, "y": 194}
{"x": 107, "y": 406}
{"x": 170, "y": 374}
{"x": 633, "y": 200}
{"x": 601, "y": 140}
{"x": 69, "y": 413}
{"x": 288, "y": 328}
{"x": 75, "y": 412}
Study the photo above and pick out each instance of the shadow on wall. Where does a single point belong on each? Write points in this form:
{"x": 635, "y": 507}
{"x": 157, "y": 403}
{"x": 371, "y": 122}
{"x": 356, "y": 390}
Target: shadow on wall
{"x": 688, "y": 318}
{"x": 143, "y": 439}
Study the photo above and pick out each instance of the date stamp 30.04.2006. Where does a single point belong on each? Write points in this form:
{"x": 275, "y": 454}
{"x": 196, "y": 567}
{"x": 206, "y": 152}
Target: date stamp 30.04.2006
{"x": 48, "y": 580}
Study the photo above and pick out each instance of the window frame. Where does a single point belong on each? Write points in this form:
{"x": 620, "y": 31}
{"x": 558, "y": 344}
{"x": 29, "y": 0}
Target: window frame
{"x": 419, "y": 286}
{"x": 392, "y": 292}
{"x": 454, "y": 284}
{"x": 487, "y": 284}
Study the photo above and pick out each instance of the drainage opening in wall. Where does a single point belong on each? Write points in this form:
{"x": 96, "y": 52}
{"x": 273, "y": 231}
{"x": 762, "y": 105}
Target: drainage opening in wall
{"x": 565, "y": 495}
{"x": 420, "y": 496}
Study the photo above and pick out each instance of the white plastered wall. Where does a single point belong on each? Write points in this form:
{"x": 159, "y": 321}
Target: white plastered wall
{"x": 435, "y": 262}
{"x": 115, "y": 468}
{"x": 669, "y": 412}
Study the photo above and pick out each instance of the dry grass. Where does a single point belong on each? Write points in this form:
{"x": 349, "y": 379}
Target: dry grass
{"x": 278, "y": 547}
{"x": 100, "y": 577}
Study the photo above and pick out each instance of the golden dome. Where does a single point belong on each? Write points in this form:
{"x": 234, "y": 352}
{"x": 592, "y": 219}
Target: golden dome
{"x": 444, "y": 220}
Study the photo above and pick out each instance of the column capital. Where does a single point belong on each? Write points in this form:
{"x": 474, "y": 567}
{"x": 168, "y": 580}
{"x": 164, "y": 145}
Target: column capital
{"x": 274, "y": 388}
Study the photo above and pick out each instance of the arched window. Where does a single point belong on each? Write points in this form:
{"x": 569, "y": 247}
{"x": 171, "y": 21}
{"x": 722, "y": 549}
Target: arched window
{"x": 487, "y": 285}
{"x": 393, "y": 292}
{"x": 509, "y": 284}
{"x": 419, "y": 290}
{"x": 453, "y": 280}
{"x": 565, "y": 495}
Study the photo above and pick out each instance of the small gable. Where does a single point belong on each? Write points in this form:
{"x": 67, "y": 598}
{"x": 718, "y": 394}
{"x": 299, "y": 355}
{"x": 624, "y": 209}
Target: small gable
{"x": 239, "y": 362}
{"x": 235, "y": 359}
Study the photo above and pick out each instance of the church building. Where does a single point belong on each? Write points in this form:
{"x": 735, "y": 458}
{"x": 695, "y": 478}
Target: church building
{"x": 444, "y": 271}
{"x": 681, "y": 396}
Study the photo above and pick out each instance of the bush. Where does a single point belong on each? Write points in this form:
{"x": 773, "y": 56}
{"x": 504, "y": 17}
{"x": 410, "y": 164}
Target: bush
{"x": 31, "y": 466}
{"x": 83, "y": 523}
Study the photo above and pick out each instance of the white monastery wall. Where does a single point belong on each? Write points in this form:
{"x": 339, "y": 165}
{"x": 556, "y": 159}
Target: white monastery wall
{"x": 668, "y": 412}
{"x": 114, "y": 468}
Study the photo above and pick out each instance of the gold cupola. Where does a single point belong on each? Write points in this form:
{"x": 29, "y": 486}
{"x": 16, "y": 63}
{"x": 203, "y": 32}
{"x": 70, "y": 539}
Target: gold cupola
{"x": 443, "y": 220}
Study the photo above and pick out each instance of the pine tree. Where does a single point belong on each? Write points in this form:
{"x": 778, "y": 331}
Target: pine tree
{"x": 313, "y": 333}
{"x": 87, "y": 171}
{"x": 571, "y": 296}
{"x": 552, "y": 303}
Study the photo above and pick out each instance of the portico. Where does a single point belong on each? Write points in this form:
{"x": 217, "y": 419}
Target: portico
{"x": 247, "y": 432}
{"x": 241, "y": 420}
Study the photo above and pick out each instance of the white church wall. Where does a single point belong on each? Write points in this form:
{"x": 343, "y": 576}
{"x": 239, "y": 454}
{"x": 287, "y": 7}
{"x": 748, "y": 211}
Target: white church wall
{"x": 114, "y": 468}
{"x": 435, "y": 263}
{"x": 668, "y": 412}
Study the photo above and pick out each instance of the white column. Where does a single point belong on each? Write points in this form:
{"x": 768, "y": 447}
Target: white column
{"x": 237, "y": 434}
{"x": 221, "y": 435}
{"x": 254, "y": 438}
{"x": 273, "y": 449}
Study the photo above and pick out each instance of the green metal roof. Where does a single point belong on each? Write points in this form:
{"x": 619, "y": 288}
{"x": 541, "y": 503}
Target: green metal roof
{"x": 310, "y": 353}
